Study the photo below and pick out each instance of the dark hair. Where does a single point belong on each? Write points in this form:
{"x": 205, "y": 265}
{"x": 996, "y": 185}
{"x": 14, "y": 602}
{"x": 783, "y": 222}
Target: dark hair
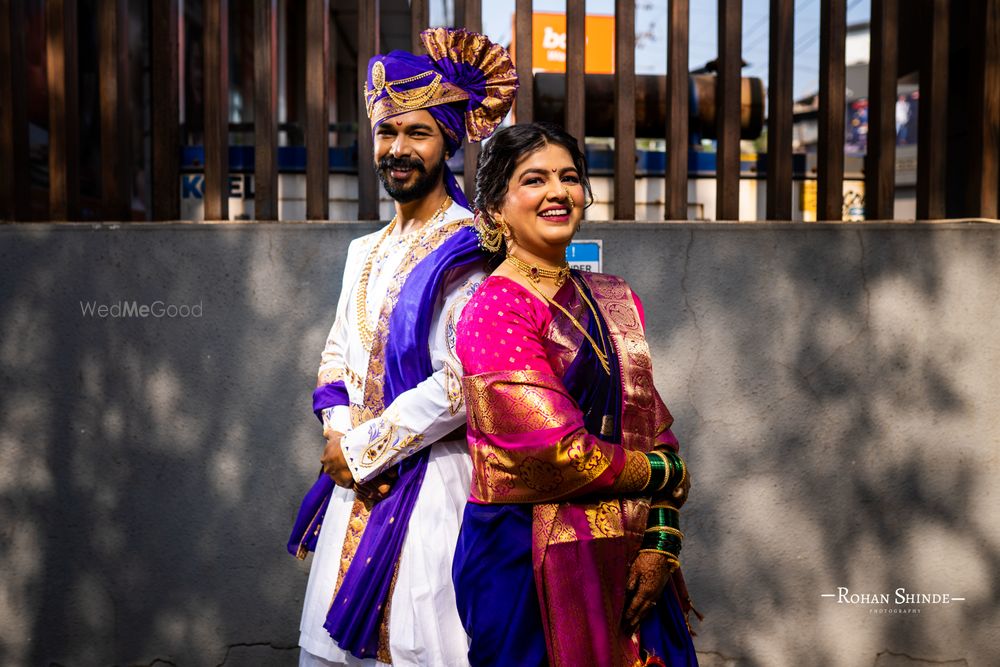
{"x": 509, "y": 146}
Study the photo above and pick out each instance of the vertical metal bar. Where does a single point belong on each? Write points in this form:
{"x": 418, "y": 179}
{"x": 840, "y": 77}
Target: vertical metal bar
{"x": 779, "y": 111}
{"x": 832, "y": 73}
{"x": 624, "y": 190}
{"x": 983, "y": 180}
{"x": 728, "y": 84}
{"x": 576, "y": 43}
{"x": 15, "y": 186}
{"x": 880, "y": 161}
{"x": 265, "y": 114}
{"x": 368, "y": 45}
{"x": 216, "y": 109}
{"x": 525, "y": 104}
{"x": 932, "y": 130}
{"x": 420, "y": 19}
{"x": 115, "y": 110}
{"x": 679, "y": 22}
{"x": 317, "y": 110}
{"x": 474, "y": 22}
{"x": 64, "y": 115}
{"x": 165, "y": 201}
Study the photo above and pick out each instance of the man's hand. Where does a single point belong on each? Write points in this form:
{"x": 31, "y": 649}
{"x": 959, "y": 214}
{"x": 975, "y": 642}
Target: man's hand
{"x": 646, "y": 579}
{"x": 334, "y": 463}
{"x": 376, "y": 489}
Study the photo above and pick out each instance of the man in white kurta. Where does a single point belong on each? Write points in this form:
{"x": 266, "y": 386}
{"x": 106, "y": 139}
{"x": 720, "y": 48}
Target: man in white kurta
{"x": 412, "y": 137}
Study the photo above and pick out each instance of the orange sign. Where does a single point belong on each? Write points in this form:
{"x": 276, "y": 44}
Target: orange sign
{"x": 548, "y": 43}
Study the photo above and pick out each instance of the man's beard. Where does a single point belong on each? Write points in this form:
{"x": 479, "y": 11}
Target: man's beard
{"x": 424, "y": 180}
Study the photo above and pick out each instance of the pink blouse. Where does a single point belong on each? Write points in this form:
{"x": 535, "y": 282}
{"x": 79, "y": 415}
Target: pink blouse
{"x": 503, "y": 326}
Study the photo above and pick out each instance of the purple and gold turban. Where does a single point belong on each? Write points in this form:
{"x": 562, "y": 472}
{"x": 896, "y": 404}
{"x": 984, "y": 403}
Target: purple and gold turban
{"x": 466, "y": 82}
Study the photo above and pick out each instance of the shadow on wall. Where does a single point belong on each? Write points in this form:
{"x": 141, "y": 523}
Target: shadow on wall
{"x": 153, "y": 465}
{"x": 833, "y": 390}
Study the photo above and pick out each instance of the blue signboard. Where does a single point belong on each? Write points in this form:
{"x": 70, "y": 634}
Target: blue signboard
{"x": 585, "y": 255}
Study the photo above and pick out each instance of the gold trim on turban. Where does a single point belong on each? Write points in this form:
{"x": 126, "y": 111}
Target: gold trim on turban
{"x": 462, "y": 47}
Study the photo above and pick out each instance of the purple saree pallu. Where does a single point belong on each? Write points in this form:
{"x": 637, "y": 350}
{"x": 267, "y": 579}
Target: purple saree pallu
{"x": 358, "y": 608}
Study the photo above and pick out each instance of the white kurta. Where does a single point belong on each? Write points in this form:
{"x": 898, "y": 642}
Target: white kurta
{"x": 424, "y": 627}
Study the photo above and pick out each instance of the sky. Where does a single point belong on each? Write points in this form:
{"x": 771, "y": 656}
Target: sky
{"x": 651, "y": 31}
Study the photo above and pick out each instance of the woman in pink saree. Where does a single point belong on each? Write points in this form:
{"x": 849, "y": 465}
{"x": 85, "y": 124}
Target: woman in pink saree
{"x": 569, "y": 547}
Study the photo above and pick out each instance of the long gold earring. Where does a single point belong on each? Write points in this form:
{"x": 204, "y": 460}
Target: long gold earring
{"x": 490, "y": 232}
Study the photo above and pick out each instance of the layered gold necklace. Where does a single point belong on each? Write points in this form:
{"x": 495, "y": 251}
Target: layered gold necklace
{"x": 559, "y": 276}
{"x": 365, "y": 330}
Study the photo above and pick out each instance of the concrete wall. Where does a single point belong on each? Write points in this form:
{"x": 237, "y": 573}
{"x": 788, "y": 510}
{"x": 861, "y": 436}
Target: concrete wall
{"x": 835, "y": 389}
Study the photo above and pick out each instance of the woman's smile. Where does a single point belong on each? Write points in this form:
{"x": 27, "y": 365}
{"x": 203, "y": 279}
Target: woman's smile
{"x": 555, "y": 214}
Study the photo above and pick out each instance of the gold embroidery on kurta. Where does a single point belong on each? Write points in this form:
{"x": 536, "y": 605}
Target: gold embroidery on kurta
{"x": 356, "y": 525}
{"x": 354, "y": 378}
{"x": 381, "y": 434}
{"x": 453, "y": 388}
{"x": 430, "y": 240}
{"x": 329, "y": 376}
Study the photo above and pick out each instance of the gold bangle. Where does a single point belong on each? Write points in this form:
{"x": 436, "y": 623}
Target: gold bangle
{"x": 649, "y": 473}
{"x": 672, "y": 560}
{"x": 664, "y": 504}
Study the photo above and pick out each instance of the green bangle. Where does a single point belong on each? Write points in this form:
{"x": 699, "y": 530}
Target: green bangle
{"x": 677, "y": 471}
{"x": 665, "y": 529}
{"x": 658, "y": 473}
{"x": 663, "y": 542}
{"x": 664, "y": 516}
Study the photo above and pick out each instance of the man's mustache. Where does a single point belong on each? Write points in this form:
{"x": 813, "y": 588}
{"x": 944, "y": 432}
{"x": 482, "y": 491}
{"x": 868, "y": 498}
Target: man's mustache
{"x": 389, "y": 162}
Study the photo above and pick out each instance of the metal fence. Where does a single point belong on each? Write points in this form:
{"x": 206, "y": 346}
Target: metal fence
{"x": 978, "y": 194}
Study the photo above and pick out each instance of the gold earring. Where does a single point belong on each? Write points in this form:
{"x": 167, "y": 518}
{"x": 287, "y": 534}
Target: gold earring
{"x": 505, "y": 229}
{"x": 491, "y": 233}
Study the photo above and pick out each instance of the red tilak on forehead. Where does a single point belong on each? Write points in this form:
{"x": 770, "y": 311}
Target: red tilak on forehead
{"x": 399, "y": 122}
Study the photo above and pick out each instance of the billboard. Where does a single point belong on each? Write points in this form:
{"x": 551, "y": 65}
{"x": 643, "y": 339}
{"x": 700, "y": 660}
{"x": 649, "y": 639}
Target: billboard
{"x": 548, "y": 43}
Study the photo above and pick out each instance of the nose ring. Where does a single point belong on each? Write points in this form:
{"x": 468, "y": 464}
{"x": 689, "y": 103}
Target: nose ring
{"x": 572, "y": 204}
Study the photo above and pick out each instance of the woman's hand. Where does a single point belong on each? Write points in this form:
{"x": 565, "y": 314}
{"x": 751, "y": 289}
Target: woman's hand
{"x": 646, "y": 579}
{"x": 334, "y": 463}
{"x": 679, "y": 495}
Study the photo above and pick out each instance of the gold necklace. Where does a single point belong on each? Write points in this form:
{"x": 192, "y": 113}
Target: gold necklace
{"x": 366, "y": 331}
{"x": 602, "y": 354}
{"x": 535, "y": 273}
{"x": 593, "y": 312}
